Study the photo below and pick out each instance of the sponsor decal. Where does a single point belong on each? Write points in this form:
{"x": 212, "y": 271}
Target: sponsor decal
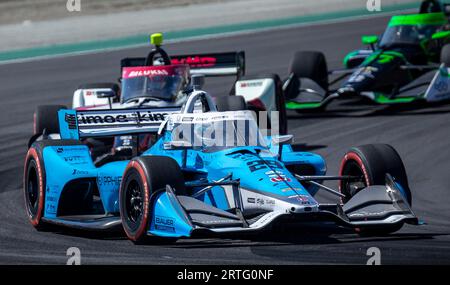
{"x": 79, "y": 172}
{"x": 51, "y": 208}
{"x": 256, "y": 165}
{"x": 196, "y": 61}
{"x": 441, "y": 86}
{"x": 66, "y": 149}
{"x": 277, "y": 176}
{"x": 52, "y": 189}
{"x": 139, "y": 117}
{"x": 71, "y": 121}
{"x": 261, "y": 201}
{"x": 304, "y": 199}
{"x": 250, "y": 84}
{"x": 148, "y": 72}
{"x": 76, "y": 159}
{"x": 164, "y": 224}
{"x": 109, "y": 180}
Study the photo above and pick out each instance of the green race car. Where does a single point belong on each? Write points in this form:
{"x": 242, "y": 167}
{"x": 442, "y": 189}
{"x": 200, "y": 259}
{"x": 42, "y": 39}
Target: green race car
{"x": 410, "y": 62}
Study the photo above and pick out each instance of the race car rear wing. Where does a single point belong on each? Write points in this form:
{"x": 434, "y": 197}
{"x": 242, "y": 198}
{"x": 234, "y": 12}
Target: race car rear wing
{"x": 77, "y": 124}
{"x": 208, "y": 64}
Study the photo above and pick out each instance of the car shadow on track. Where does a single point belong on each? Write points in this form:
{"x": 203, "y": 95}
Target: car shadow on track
{"x": 307, "y": 147}
{"x": 299, "y": 235}
{"x": 306, "y": 235}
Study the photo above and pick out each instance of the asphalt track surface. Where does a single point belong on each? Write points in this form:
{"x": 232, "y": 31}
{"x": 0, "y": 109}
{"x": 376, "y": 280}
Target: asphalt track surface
{"x": 421, "y": 136}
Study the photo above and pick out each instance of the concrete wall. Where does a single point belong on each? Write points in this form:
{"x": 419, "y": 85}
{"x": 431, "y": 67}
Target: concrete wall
{"x": 29, "y": 23}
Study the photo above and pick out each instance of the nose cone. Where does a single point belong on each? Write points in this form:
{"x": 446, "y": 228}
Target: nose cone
{"x": 264, "y": 175}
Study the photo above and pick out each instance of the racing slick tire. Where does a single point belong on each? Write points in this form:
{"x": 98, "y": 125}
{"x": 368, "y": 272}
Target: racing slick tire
{"x": 230, "y": 103}
{"x": 312, "y": 65}
{"x": 46, "y": 118}
{"x": 142, "y": 177}
{"x": 34, "y": 180}
{"x": 445, "y": 55}
{"x": 372, "y": 162}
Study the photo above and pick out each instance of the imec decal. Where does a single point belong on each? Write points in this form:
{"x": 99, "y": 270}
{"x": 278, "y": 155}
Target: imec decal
{"x": 196, "y": 61}
{"x": 138, "y": 116}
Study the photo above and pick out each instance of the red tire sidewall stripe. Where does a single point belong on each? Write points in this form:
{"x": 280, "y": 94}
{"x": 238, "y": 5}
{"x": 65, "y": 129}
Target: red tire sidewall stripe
{"x": 32, "y": 153}
{"x": 355, "y": 157}
{"x": 142, "y": 227}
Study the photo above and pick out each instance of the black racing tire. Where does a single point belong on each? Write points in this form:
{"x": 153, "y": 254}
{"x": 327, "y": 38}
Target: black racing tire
{"x": 230, "y": 103}
{"x": 281, "y": 106}
{"x": 445, "y": 55}
{"x": 279, "y": 100}
{"x": 34, "y": 180}
{"x": 372, "y": 162}
{"x": 144, "y": 176}
{"x": 46, "y": 118}
{"x": 312, "y": 65}
{"x": 34, "y": 187}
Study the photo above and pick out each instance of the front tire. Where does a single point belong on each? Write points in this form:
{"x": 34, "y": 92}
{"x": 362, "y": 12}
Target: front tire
{"x": 34, "y": 187}
{"x": 142, "y": 177}
{"x": 371, "y": 163}
{"x": 46, "y": 118}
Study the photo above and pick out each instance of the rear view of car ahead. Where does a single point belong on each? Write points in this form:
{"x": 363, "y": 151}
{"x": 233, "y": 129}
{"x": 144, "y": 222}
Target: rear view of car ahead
{"x": 258, "y": 93}
{"x": 208, "y": 172}
{"x": 409, "y": 63}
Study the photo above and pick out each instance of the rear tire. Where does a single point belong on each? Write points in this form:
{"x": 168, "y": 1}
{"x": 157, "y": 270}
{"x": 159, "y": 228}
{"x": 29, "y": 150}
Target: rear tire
{"x": 34, "y": 187}
{"x": 445, "y": 55}
{"x": 46, "y": 118}
{"x": 372, "y": 162}
{"x": 312, "y": 65}
{"x": 143, "y": 176}
{"x": 230, "y": 103}
{"x": 34, "y": 180}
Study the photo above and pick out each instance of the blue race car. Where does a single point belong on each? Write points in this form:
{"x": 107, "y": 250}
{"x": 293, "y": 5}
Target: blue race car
{"x": 208, "y": 172}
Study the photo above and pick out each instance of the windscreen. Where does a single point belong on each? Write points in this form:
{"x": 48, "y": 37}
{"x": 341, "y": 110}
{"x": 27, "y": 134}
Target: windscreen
{"x": 159, "y": 82}
{"x": 412, "y": 29}
{"x": 212, "y": 132}
{"x": 407, "y": 34}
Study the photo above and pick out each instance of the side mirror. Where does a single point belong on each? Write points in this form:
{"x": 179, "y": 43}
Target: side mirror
{"x": 280, "y": 140}
{"x": 441, "y": 35}
{"x": 106, "y": 93}
{"x": 177, "y": 145}
{"x": 369, "y": 40}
